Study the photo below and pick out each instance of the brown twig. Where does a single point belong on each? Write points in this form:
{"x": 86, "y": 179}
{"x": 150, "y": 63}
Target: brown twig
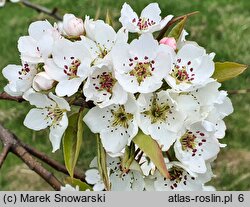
{"x": 53, "y": 163}
{"x": 10, "y": 139}
{"x": 53, "y": 13}
{"x": 79, "y": 102}
{"x": 170, "y": 23}
{"x": 241, "y": 91}
{"x": 4, "y": 154}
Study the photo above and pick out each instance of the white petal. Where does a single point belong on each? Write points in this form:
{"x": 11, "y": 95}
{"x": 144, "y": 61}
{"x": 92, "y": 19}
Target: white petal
{"x": 152, "y": 12}
{"x": 92, "y": 176}
{"x": 40, "y": 100}
{"x": 68, "y": 87}
{"x": 39, "y": 28}
{"x": 61, "y": 102}
{"x": 37, "y": 119}
{"x": 56, "y": 132}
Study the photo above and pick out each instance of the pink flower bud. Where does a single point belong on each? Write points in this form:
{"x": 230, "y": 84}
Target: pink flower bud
{"x": 42, "y": 82}
{"x": 72, "y": 26}
{"x": 170, "y": 41}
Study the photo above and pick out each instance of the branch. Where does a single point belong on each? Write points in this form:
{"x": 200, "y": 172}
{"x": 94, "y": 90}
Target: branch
{"x": 170, "y": 23}
{"x": 10, "y": 139}
{"x": 79, "y": 102}
{"x": 242, "y": 91}
{"x": 6, "y": 96}
{"x": 53, "y": 13}
{"x": 53, "y": 163}
{"x": 4, "y": 154}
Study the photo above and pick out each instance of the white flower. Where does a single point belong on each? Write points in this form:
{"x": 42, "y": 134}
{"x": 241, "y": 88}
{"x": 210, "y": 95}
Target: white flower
{"x": 69, "y": 188}
{"x": 42, "y": 82}
{"x": 115, "y": 123}
{"x": 2, "y": 2}
{"x": 102, "y": 88}
{"x": 149, "y": 21}
{"x": 196, "y": 147}
{"x": 198, "y": 104}
{"x": 50, "y": 112}
{"x": 191, "y": 69}
{"x": 141, "y": 65}
{"x": 72, "y": 26}
{"x": 20, "y": 78}
{"x": 158, "y": 118}
{"x": 93, "y": 177}
{"x": 182, "y": 179}
{"x": 70, "y": 66}
{"x": 37, "y": 47}
{"x": 101, "y": 45}
{"x": 132, "y": 180}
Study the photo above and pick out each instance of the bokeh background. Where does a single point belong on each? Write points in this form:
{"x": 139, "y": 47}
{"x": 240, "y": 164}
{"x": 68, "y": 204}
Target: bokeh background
{"x": 223, "y": 27}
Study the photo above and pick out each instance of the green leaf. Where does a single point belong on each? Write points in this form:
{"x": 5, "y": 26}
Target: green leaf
{"x": 151, "y": 148}
{"x": 102, "y": 164}
{"x": 177, "y": 29}
{"x": 74, "y": 182}
{"x": 72, "y": 141}
{"x": 128, "y": 157}
{"x": 227, "y": 70}
{"x": 108, "y": 18}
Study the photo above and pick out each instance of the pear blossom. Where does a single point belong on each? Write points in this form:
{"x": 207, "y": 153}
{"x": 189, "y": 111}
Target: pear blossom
{"x": 182, "y": 179}
{"x": 131, "y": 180}
{"x": 115, "y": 123}
{"x": 68, "y": 187}
{"x": 102, "y": 88}
{"x": 37, "y": 46}
{"x": 101, "y": 45}
{"x": 20, "y": 78}
{"x": 42, "y": 81}
{"x": 159, "y": 118}
{"x": 69, "y": 65}
{"x": 196, "y": 147}
{"x": 148, "y": 22}
{"x": 72, "y": 26}
{"x": 191, "y": 69}
{"x": 141, "y": 65}
{"x": 51, "y": 112}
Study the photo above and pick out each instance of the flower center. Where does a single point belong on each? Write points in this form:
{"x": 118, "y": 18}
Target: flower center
{"x": 182, "y": 73}
{"x": 106, "y": 82}
{"x": 191, "y": 141}
{"x": 71, "y": 70}
{"x": 55, "y": 115}
{"x": 121, "y": 117}
{"x": 144, "y": 23}
{"x": 24, "y": 71}
{"x": 157, "y": 112}
{"x": 141, "y": 70}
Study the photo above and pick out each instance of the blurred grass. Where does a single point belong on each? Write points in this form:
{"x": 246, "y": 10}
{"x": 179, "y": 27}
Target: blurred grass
{"x": 223, "y": 27}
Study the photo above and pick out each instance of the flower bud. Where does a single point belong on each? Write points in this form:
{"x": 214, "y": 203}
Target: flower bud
{"x": 42, "y": 82}
{"x": 170, "y": 41}
{"x": 72, "y": 26}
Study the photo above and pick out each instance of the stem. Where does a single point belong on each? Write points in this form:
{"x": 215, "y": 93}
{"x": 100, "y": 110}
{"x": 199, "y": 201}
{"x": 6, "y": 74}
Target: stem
{"x": 53, "y": 13}
{"x": 79, "y": 102}
{"x": 52, "y": 163}
{"x": 4, "y": 154}
{"x": 241, "y": 91}
{"x": 10, "y": 140}
{"x": 170, "y": 23}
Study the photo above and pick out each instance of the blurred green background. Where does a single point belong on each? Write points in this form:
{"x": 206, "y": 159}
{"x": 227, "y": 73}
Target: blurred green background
{"x": 223, "y": 27}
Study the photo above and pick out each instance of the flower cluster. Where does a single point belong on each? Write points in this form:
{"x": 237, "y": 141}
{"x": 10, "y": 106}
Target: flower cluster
{"x": 163, "y": 89}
